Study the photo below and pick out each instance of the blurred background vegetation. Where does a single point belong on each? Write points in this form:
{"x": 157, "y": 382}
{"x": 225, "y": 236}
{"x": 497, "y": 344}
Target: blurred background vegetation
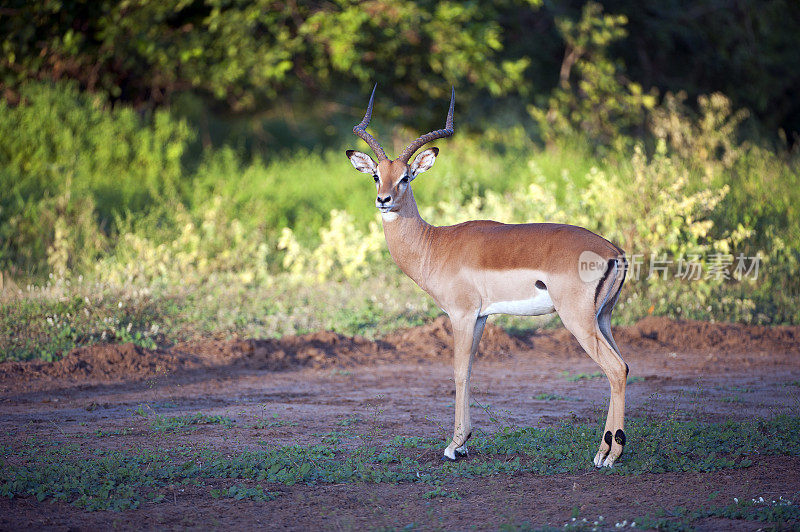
{"x": 172, "y": 169}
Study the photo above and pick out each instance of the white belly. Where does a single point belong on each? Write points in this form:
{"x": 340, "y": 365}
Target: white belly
{"x": 535, "y": 306}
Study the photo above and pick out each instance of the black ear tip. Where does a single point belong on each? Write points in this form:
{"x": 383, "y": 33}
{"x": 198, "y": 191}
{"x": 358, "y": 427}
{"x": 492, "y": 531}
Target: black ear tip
{"x": 350, "y": 153}
{"x": 435, "y": 151}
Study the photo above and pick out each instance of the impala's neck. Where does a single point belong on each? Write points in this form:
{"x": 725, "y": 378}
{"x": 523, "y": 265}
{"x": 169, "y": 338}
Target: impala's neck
{"x": 408, "y": 237}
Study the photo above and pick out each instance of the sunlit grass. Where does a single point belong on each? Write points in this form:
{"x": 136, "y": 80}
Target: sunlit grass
{"x": 45, "y": 323}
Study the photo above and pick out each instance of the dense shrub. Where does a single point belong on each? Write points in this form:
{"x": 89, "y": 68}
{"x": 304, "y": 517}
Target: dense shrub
{"x": 71, "y": 167}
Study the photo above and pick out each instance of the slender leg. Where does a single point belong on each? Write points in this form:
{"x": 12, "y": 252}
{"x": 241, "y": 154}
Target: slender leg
{"x": 614, "y": 367}
{"x": 614, "y": 433}
{"x": 591, "y": 326}
{"x": 467, "y": 333}
{"x": 616, "y": 371}
{"x": 476, "y": 339}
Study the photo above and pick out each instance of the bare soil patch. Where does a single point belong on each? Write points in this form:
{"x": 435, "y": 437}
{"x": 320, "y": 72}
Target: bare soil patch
{"x": 293, "y": 390}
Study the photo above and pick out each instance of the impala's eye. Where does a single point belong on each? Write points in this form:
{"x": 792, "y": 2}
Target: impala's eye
{"x": 404, "y": 180}
{"x": 375, "y": 177}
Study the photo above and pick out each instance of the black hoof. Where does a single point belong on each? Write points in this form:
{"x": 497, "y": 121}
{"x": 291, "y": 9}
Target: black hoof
{"x": 461, "y": 454}
{"x": 446, "y": 458}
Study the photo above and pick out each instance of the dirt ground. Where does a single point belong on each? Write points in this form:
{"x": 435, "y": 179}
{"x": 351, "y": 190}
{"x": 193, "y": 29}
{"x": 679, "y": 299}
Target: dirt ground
{"x": 308, "y": 385}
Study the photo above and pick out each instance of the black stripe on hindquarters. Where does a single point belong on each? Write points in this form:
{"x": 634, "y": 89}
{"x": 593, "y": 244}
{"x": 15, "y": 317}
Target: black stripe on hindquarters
{"x": 624, "y": 269}
{"x": 611, "y": 262}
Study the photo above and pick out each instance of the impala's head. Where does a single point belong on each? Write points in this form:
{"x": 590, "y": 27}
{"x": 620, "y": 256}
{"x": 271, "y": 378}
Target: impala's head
{"x": 392, "y": 178}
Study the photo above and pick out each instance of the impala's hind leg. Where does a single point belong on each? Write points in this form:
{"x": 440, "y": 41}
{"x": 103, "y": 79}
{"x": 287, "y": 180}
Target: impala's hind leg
{"x": 616, "y": 371}
{"x": 592, "y": 328}
{"x": 614, "y": 433}
{"x": 612, "y": 363}
{"x": 613, "y": 440}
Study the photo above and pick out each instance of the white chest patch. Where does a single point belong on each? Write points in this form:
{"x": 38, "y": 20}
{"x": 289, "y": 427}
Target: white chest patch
{"x": 535, "y": 306}
{"x": 389, "y": 216}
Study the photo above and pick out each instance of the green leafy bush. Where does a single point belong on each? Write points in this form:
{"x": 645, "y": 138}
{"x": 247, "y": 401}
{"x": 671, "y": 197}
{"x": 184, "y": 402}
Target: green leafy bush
{"x": 70, "y": 167}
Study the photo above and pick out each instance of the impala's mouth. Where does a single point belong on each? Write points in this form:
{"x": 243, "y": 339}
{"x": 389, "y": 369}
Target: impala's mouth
{"x": 385, "y": 208}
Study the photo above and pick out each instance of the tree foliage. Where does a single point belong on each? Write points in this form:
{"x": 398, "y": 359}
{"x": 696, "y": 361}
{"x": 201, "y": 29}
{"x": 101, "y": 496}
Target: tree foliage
{"x": 246, "y": 54}
{"x": 594, "y": 99}
{"x": 251, "y": 55}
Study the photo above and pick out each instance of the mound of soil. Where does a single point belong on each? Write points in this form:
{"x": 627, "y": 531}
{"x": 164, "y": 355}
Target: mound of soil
{"x": 103, "y": 361}
{"x": 435, "y": 341}
{"x": 656, "y": 333}
{"x": 317, "y": 350}
{"x": 722, "y": 338}
{"x": 426, "y": 343}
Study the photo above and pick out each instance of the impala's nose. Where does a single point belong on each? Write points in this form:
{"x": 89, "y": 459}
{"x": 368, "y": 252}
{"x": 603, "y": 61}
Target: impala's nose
{"x": 384, "y": 200}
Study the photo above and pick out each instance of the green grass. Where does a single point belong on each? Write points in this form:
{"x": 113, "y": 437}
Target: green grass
{"x": 732, "y": 399}
{"x": 239, "y": 492}
{"x": 113, "y": 479}
{"x": 581, "y": 376}
{"x": 782, "y": 514}
{"x": 596, "y": 375}
{"x": 441, "y": 492}
{"x": 552, "y": 397}
{"x": 47, "y": 323}
{"x": 188, "y": 422}
{"x": 276, "y": 421}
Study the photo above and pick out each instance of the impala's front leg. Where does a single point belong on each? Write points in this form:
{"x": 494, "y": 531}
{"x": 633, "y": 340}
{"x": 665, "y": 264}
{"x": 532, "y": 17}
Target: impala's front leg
{"x": 467, "y": 333}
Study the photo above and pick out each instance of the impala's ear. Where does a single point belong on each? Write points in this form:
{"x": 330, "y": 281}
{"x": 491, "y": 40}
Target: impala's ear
{"x": 423, "y": 161}
{"x": 362, "y": 162}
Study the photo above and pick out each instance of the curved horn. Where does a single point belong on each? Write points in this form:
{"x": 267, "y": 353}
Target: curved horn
{"x": 361, "y": 130}
{"x": 433, "y": 135}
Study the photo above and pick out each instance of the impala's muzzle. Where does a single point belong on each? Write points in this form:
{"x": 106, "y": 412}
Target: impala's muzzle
{"x": 384, "y": 204}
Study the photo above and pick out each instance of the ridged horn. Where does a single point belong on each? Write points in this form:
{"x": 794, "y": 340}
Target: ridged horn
{"x": 433, "y": 135}
{"x": 360, "y": 129}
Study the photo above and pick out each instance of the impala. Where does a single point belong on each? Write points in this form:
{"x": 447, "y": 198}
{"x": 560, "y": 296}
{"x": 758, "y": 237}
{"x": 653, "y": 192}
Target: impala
{"x": 483, "y": 267}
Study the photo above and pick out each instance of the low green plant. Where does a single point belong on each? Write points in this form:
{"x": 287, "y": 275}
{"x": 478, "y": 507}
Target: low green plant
{"x": 105, "y": 433}
{"x": 581, "y": 376}
{"x": 108, "y": 479}
{"x": 142, "y": 410}
{"x": 239, "y": 492}
{"x": 440, "y": 491}
{"x": 276, "y": 421}
{"x": 552, "y": 397}
{"x": 732, "y": 399}
{"x": 189, "y": 421}
{"x": 781, "y": 513}
{"x": 348, "y": 421}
